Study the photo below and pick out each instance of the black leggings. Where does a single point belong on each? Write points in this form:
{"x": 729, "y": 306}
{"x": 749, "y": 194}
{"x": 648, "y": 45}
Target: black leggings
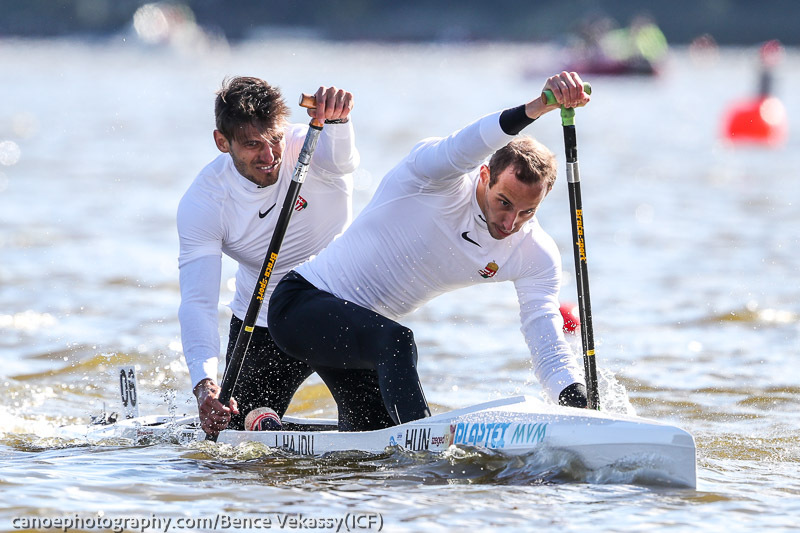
{"x": 367, "y": 360}
{"x": 269, "y": 377}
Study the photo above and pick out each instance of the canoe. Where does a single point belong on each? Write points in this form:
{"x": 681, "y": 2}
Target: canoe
{"x": 516, "y": 426}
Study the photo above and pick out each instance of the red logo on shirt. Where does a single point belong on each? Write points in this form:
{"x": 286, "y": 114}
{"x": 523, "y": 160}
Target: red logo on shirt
{"x": 300, "y": 204}
{"x": 489, "y": 271}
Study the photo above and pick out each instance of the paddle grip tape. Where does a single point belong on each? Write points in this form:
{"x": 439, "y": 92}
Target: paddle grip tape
{"x": 304, "y": 159}
{"x": 573, "y": 174}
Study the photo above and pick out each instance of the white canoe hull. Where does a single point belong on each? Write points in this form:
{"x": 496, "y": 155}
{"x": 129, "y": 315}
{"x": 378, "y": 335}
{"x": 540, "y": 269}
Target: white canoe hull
{"x": 514, "y": 426}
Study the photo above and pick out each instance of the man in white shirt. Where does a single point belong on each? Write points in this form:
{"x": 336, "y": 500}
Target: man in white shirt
{"x": 440, "y": 220}
{"x": 232, "y": 207}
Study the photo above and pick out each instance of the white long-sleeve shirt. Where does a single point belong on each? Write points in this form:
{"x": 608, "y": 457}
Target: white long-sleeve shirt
{"x": 423, "y": 234}
{"x": 223, "y": 212}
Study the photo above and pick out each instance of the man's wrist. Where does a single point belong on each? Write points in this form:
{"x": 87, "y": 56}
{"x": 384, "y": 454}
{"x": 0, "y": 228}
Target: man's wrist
{"x": 204, "y": 387}
{"x": 514, "y": 120}
{"x": 337, "y": 120}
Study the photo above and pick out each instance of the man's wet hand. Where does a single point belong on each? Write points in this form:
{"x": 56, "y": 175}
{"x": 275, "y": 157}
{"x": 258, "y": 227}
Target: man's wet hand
{"x": 332, "y": 105}
{"x": 214, "y": 417}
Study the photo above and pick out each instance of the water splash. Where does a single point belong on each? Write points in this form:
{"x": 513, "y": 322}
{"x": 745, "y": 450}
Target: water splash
{"x": 613, "y": 394}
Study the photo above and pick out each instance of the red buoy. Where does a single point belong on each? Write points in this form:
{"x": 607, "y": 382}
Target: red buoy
{"x": 760, "y": 120}
{"x": 569, "y": 312}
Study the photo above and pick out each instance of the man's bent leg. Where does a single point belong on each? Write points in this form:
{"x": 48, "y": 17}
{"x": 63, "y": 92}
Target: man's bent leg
{"x": 358, "y": 398}
{"x": 269, "y": 377}
{"x": 325, "y": 331}
{"x": 395, "y": 359}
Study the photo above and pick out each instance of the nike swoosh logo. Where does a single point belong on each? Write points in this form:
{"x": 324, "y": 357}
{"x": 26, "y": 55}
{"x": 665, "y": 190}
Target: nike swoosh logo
{"x": 265, "y": 213}
{"x": 466, "y": 238}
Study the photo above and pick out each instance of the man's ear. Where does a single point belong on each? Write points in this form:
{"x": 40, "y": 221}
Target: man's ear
{"x": 221, "y": 142}
{"x": 485, "y": 174}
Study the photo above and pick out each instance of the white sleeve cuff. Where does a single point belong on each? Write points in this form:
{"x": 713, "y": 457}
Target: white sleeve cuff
{"x": 204, "y": 369}
{"x": 554, "y": 363}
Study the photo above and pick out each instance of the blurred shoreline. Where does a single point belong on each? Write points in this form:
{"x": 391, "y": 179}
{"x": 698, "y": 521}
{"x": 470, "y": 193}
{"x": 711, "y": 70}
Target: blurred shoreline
{"x": 729, "y": 22}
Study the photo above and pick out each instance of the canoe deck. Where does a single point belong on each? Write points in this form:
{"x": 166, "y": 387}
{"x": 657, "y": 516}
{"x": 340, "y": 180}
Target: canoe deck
{"x": 515, "y": 426}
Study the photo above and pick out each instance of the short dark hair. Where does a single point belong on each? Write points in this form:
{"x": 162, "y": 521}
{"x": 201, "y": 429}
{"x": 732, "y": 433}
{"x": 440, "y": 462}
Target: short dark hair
{"x": 532, "y": 161}
{"x": 244, "y": 101}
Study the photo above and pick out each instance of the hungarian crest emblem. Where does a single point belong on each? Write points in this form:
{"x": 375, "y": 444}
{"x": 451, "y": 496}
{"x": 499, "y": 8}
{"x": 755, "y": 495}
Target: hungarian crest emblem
{"x": 489, "y": 270}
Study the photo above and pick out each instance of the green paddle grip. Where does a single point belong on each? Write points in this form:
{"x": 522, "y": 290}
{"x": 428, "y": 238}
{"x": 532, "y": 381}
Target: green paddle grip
{"x": 548, "y": 98}
{"x": 567, "y": 113}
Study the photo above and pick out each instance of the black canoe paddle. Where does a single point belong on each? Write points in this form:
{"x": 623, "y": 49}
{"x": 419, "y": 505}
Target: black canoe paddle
{"x": 579, "y": 245}
{"x": 233, "y": 369}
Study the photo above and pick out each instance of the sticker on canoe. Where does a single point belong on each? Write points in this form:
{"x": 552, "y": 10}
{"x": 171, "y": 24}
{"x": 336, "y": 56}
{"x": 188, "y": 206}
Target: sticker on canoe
{"x": 497, "y": 435}
{"x": 421, "y": 438}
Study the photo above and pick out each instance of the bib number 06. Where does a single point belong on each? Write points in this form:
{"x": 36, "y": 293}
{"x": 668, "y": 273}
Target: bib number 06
{"x": 127, "y": 391}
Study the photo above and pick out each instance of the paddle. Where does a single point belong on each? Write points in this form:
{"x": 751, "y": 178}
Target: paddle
{"x": 579, "y": 245}
{"x": 248, "y": 324}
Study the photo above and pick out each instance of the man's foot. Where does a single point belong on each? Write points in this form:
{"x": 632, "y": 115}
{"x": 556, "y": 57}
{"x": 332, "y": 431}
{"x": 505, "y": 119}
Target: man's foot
{"x": 262, "y": 419}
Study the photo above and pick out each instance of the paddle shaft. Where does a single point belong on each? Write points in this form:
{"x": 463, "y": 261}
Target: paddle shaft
{"x": 234, "y": 366}
{"x": 581, "y": 267}
{"x": 579, "y": 247}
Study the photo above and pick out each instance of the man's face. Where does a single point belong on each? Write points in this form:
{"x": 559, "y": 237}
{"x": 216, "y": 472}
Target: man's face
{"x": 508, "y": 204}
{"x": 256, "y": 153}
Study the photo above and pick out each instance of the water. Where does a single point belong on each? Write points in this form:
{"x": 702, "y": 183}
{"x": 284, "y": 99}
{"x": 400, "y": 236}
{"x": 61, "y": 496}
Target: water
{"x": 693, "y": 250}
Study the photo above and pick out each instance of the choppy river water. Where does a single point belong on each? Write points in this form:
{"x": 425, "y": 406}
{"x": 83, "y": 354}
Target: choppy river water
{"x": 694, "y": 262}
